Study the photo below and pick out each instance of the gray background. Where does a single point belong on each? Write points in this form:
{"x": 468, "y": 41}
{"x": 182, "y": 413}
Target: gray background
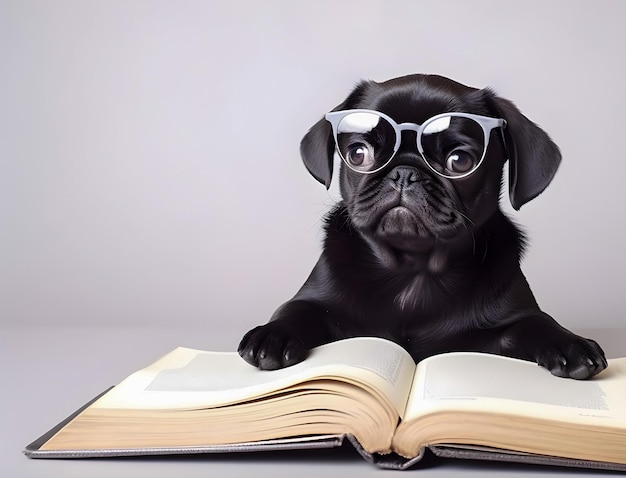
{"x": 151, "y": 191}
{"x": 150, "y": 166}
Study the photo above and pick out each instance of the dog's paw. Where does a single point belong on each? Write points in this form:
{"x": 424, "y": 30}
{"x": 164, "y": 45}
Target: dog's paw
{"x": 575, "y": 357}
{"x": 272, "y": 346}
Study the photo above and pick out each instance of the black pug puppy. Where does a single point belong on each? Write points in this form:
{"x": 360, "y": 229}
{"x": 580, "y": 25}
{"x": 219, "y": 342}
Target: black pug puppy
{"x": 418, "y": 251}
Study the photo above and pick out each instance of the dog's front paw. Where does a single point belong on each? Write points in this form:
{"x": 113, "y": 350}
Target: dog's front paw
{"x": 574, "y": 357}
{"x": 272, "y": 346}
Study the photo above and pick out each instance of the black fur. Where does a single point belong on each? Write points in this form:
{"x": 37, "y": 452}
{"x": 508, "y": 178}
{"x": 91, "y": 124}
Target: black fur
{"x": 428, "y": 262}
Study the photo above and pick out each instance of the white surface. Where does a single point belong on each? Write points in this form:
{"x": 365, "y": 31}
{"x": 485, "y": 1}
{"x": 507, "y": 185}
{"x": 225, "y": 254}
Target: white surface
{"x": 49, "y": 372}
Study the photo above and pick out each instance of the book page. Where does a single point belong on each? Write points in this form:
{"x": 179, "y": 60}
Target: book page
{"x": 482, "y": 382}
{"x": 188, "y": 378}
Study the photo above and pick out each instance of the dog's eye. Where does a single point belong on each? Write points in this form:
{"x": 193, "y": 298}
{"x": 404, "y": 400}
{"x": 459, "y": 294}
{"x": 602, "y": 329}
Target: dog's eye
{"x": 360, "y": 154}
{"x": 459, "y": 162}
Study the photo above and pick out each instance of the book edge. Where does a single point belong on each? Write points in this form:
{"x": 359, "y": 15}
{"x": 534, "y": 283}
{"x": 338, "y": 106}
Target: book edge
{"x": 495, "y": 454}
{"x": 300, "y": 443}
{"x": 391, "y": 461}
{"x": 387, "y": 461}
{"x": 33, "y": 450}
{"x": 34, "y": 447}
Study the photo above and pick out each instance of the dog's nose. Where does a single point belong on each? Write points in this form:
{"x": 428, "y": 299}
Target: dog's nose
{"x": 404, "y": 175}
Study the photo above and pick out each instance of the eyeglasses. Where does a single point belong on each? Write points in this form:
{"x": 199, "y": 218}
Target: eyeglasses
{"x": 453, "y": 145}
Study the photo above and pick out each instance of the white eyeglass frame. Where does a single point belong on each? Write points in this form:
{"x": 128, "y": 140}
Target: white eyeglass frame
{"x": 487, "y": 124}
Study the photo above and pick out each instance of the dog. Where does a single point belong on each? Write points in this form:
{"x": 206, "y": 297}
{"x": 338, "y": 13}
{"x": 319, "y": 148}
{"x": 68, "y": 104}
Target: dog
{"x": 418, "y": 251}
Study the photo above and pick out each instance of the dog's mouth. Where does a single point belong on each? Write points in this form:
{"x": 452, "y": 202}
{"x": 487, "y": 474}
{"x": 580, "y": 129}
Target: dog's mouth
{"x": 403, "y": 229}
{"x": 400, "y": 220}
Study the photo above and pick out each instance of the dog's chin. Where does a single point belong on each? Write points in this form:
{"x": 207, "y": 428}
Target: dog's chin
{"x": 403, "y": 230}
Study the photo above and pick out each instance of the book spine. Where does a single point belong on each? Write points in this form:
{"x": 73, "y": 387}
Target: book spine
{"x": 389, "y": 461}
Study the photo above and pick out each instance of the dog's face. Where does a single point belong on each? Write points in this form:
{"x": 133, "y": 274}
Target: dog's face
{"x": 407, "y": 204}
{"x": 443, "y": 182}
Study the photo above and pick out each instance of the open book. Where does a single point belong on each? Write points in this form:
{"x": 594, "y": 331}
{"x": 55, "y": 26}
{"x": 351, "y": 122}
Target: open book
{"x": 366, "y": 389}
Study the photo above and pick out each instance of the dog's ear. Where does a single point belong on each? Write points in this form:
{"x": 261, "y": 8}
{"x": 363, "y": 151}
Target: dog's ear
{"x": 317, "y": 149}
{"x": 533, "y": 156}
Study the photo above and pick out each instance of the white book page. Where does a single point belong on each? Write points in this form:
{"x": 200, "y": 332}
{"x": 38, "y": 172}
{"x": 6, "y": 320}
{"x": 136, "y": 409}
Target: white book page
{"x": 491, "y": 383}
{"x": 188, "y": 378}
